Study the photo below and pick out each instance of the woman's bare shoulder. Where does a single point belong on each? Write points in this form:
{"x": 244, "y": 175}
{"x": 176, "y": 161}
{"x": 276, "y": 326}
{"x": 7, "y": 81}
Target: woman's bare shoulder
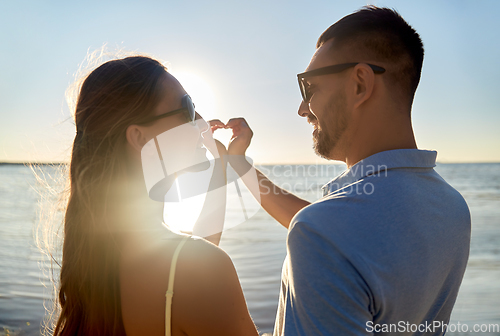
{"x": 144, "y": 276}
{"x": 199, "y": 250}
{"x": 210, "y": 290}
{"x": 206, "y": 290}
{"x": 201, "y": 262}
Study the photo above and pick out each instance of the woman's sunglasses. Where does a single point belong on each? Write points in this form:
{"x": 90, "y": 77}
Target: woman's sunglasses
{"x": 187, "y": 108}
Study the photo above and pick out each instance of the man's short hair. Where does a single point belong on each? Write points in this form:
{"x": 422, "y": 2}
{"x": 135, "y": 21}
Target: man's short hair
{"x": 381, "y": 34}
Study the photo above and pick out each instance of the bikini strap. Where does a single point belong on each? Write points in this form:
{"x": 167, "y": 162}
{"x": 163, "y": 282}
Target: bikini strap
{"x": 170, "y": 290}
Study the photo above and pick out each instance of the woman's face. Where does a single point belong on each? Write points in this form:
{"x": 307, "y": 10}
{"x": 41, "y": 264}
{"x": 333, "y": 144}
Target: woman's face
{"x": 178, "y": 143}
{"x": 172, "y": 100}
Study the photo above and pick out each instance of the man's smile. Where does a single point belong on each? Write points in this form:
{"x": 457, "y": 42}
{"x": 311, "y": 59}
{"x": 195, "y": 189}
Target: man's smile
{"x": 313, "y": 121}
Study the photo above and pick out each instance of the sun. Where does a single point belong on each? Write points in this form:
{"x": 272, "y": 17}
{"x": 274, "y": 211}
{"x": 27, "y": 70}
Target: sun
{"x": 181, "y": 216}
{"x": 200, "y": 91}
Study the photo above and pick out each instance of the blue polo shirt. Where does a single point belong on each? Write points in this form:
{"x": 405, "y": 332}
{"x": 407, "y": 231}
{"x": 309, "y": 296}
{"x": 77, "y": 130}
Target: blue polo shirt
{"x": 383, "y": 252}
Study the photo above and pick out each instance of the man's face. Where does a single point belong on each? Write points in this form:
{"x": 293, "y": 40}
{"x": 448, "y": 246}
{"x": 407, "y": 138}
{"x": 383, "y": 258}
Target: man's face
{"x": 331, "y": 125}
{"x": 327, "y": 107}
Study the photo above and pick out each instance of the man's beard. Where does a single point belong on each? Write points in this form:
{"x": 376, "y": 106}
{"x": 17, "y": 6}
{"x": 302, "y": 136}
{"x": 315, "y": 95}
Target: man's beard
{"x": 333, "y": 125}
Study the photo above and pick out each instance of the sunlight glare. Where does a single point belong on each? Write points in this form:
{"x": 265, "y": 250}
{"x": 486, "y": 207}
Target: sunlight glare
{"x": 201, "y": 92}
{"x": 182, "y": 216}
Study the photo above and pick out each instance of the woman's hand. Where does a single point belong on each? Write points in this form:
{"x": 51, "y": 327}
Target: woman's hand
{"x": 215, "y": 124}
{"x": 215, "y": 147}
{"x": 222, "y": 154}
{"x": 210, "y": 223}
{"x": 220, "y": 148}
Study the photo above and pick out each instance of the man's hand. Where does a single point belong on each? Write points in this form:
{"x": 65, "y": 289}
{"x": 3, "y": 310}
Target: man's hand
{"x": 242, "y": 136}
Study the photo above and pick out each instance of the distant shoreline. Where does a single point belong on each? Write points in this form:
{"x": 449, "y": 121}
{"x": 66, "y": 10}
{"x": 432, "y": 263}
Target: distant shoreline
{"x": 32, "y": 163}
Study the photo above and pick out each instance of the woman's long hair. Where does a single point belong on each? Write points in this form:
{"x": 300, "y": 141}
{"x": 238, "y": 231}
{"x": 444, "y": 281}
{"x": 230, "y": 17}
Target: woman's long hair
{"x": 113, "y": 96}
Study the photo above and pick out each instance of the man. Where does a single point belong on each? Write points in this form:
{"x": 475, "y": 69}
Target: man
{"x": 386, "y": 248}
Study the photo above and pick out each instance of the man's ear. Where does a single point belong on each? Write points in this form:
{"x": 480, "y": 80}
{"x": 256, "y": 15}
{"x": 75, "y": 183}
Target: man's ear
{"x": 364, "y": 81}
{"x": 136, "y": 137}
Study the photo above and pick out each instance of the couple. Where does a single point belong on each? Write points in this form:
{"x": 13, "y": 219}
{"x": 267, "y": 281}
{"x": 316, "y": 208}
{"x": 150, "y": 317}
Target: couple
{"x": 386, "y": 245}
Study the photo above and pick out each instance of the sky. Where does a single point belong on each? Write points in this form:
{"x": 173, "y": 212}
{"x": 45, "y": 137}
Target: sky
{"x": 240, "y": 59}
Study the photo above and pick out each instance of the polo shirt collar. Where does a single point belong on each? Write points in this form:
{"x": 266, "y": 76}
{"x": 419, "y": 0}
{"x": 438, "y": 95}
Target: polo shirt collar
{"x": 381, "y": 162}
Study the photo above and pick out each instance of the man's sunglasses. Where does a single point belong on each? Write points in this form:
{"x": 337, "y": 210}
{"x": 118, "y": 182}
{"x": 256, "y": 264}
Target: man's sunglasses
{"x": 304, "y": 86}
{"x": 187, "y": 109}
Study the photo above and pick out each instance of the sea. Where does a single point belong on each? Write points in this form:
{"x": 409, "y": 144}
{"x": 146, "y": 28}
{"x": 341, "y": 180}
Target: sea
{"x": 257, "y": 245}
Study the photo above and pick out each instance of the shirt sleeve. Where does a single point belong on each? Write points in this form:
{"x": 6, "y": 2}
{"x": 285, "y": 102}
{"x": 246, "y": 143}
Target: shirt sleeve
{"x": 326, "y": 294}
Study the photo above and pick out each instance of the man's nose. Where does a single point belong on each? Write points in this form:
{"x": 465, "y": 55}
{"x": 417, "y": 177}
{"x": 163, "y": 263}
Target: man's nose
{"x": 303, "y": 109}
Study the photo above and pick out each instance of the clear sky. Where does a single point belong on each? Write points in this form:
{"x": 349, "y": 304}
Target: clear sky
{"x": 247, "y": 54}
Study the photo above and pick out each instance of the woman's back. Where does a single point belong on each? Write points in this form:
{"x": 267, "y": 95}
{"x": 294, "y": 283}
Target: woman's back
{"x": 207, "y": 297}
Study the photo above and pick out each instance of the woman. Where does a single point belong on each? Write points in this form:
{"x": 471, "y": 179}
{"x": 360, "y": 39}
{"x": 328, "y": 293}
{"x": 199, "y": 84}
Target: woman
{"x": 117, "y": 255}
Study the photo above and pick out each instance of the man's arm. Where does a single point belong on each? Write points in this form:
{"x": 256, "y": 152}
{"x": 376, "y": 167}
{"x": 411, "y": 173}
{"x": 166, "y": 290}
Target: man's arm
{"x": 279, "y": 203}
